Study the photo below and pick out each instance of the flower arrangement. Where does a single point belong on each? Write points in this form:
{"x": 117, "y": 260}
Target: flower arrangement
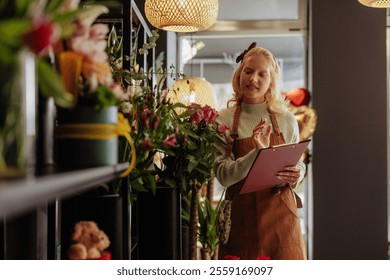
{"x": 149, "y": 113}
{"x": 192, "y": 139}
{"x": 84, "y": 64}
{"x": 145, "y": 107}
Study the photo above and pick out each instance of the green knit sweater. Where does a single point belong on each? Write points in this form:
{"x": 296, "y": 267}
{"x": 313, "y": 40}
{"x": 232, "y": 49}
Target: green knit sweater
{"x": 230, "y": 170}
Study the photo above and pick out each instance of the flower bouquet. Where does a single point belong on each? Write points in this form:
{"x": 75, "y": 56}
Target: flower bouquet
{"x": 88, "y": 133}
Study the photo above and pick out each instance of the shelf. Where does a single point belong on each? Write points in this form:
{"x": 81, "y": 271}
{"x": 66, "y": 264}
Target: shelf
{"x": 23, "y": 195}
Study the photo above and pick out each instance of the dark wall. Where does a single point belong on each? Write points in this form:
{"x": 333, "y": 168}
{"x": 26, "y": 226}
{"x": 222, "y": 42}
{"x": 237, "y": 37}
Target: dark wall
{"x": 349, "y": 88}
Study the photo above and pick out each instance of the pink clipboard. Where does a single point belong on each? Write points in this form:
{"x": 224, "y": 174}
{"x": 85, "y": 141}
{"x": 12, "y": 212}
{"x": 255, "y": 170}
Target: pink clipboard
{"x": 268, "y": 162}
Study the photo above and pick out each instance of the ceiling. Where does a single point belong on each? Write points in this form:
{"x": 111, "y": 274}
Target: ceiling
{"x": 278, "y": 25}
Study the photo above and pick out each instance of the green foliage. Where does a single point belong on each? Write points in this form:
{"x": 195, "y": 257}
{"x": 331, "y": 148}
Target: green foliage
{"x": 100, "y": 99}
{"x": 51, "y": 85}
{"x": 207, "y": 216}
{"x": 191, "y": 159}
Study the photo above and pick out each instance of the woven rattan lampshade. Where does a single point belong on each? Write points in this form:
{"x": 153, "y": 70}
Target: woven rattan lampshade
{"x": 376, "y": 3}
{"x": 193, "y": 90}
{"x": 181, "y": 15}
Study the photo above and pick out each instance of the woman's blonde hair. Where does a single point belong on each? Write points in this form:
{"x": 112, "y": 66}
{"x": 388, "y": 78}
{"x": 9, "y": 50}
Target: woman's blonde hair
{"x": 274, "y": 98}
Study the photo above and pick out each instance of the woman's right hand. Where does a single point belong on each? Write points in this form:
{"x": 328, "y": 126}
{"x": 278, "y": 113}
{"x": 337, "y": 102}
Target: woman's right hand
{"x": 260, "y": 138}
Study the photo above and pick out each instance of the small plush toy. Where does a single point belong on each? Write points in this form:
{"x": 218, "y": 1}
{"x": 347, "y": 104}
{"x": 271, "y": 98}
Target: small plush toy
{"x": 89, "y": 241}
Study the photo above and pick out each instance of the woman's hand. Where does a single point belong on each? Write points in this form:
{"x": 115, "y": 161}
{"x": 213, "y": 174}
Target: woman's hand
{"x": 290, "y": 174}
{"x": 260, "y": 138}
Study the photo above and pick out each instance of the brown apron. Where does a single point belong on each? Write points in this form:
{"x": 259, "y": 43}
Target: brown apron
{"x": 264, "y": 223}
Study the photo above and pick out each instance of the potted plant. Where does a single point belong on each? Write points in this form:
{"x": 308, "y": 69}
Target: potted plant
{"x": 207, "y": 231}
{"x": 150, "y": 114}
{"x": 87, "y": 134}
{"x": 145, "y": 106}
{"x": 175, "y": 143}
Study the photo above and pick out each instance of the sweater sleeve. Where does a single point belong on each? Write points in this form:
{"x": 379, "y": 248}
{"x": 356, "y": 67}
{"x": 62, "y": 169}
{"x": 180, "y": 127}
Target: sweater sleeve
{"x": 229, "y": 170}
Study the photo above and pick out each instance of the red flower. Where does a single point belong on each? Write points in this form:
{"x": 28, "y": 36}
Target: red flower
{"x": 197, "y": 116}
{"x": 156, "y": 123}
{"x": 210, "y": 115}
{"x": 146, "y": 145}
{"x": 206, "y": 113}
{"x": 263, "y": 258}
{"x": 170, "y": 141}
{"x": 229, "y": 257}
{"x": 222, "y": 128}
{"x": 145, "y": 116}
{"x": 43, "y": 35}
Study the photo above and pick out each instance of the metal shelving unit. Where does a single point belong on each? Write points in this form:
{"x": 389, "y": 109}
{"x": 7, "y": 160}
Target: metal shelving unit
{"x": 21, "y": 196}
{"x": 30, "y": 208}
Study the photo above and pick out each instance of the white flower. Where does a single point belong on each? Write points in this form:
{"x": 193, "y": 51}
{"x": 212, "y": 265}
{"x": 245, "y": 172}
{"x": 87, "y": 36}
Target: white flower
{"x": 125, "y": 107}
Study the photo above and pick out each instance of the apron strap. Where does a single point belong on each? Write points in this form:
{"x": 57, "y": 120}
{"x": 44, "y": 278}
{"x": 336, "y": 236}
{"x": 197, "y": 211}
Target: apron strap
{"x": 234, "y": 135}
{"x": 277, "y": 137}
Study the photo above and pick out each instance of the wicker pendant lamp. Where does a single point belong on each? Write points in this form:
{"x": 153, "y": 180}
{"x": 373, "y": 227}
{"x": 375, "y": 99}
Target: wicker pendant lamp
{"x": 376, "y": 3}
{"x": 181, "y": 15}
{"x": 193, "y": 90}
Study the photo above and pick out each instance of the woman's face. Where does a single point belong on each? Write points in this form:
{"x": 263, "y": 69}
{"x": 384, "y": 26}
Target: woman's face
{"x": 255, "y": 79}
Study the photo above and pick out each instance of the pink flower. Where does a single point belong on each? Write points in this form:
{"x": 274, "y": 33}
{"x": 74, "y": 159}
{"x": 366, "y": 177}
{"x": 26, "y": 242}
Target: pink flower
{"x": 146, "y": 145}
{"x": 210, "y": 115}
{"x": 70, "y": 5}
{"x": 145, "y": 116}
{"x": 156, "y": 123}
{"x": 98, "y": 32}
{"x": 229, "y": 257}
{"x": 263, "y": 258}
{"x": 222, "y": 128}
{"x": 197, "y": 116}
{"x": 91, "y": 42}
{"x": 170, "y": 141}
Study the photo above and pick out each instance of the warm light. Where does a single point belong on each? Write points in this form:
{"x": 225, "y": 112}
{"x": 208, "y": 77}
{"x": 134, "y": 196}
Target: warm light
{"x": 193, "y": 90}
{"x": 376, "y": 3}
{"x": 181, "y": 15}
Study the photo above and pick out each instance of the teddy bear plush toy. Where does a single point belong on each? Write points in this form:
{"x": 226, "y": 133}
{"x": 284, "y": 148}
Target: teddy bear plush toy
{"x": 89, "y": 242}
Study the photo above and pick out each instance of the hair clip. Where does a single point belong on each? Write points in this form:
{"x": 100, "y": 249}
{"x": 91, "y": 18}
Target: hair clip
{"x": 241, "y": 56}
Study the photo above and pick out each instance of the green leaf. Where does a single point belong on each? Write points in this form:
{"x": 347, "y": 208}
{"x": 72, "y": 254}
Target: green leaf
{"x": 170, "y": 182}
{"x": 151, "y": 183}
{"x": 51, "y": 85}
{"x": 11, "y": 32}
{"x": 192, "y": 164}
{"x": 138, "y": 186}
{"x": 188, "y": 132}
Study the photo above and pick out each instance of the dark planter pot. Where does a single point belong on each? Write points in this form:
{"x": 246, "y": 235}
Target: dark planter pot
{"x": 82, "y": 153}
{"x": 159, "y": 225}
{"x": 105, "y": 210}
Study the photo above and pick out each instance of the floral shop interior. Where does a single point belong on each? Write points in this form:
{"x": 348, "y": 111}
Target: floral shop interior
{"x": 108, "y": 123}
